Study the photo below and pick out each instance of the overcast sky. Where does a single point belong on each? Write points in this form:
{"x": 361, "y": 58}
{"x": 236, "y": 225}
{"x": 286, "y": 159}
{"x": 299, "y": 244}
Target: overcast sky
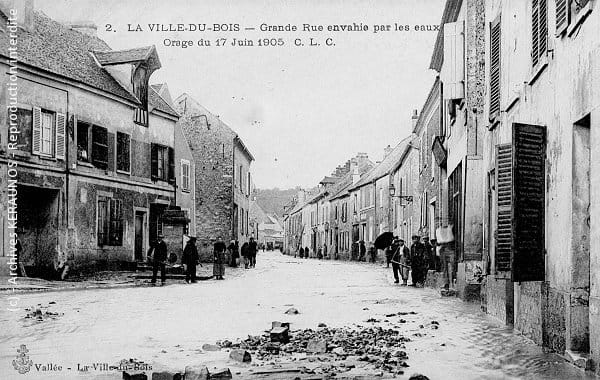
{"x": 300, "y": 110}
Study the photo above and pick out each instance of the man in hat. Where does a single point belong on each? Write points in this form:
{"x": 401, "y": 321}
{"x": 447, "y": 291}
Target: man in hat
{"x": 158, "y": 252}
{"x": 190, "y": 258}
{"x": 418, "y": 259}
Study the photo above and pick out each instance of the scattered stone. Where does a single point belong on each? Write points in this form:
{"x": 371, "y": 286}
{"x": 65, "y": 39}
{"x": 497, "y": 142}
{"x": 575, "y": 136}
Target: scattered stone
{"x": 390, "y": 315}
{"x": 339, "y": 351}
{"x": 220, "y": 374}
{"x": 365, "y": 308}
{"x": 166, "y": 376}
{"x": 418, "y": 376}
{"x": 317, "y": 346}
{"x": 279, "y": 334}
{"x": 197, "y": 372}
{"x": 322, "y": 324}
{"x": 292, "y": 310}
{"x": 210, "y": 347}
{"x": 448, "y": 293}
{"x": 134, "y": 375}
{"x": 241, "y": 356}
{"x": 402, "y": 320}
{"x": 435, "y": 323}
{"x": 372, "y": 320}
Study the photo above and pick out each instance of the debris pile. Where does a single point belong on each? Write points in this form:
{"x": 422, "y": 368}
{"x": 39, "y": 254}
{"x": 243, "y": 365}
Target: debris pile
{"x": 41, "y": 313}
{"x": 337, "y": 349}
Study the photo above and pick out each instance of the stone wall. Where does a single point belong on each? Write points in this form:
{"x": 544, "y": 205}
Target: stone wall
{"x": 528, "y": 310}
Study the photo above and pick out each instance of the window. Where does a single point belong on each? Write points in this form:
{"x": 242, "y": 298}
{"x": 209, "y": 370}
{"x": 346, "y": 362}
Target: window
{"x": 123, "y": 152}
{"x": 83, "y": 141}
{"x": 241, "y": 178}
{"x": 48, "y": 133}
{"x": 248, "y": 185}
{"x": 495, "y": 68}
{"x": 539, "y": 31}
{"x": 163, "y": 163}
{"x": 381, "y": 197}
{"x": 110, "y": 221}
{"x": 185, "y": 175}
{"x": 453, "y": 69}
{"x": 99, "y": 147}
{"x": 570, "y": 12}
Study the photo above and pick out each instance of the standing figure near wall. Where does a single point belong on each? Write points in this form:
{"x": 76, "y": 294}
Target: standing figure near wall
{"x": 219, "y": 259}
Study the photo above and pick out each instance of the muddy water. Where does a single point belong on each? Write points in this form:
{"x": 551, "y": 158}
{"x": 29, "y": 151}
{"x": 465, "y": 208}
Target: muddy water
{"x": 166, "y": 326}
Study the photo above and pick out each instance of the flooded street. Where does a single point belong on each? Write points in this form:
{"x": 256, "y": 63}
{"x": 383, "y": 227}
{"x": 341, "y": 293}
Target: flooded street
{"x": 167, "y": 326}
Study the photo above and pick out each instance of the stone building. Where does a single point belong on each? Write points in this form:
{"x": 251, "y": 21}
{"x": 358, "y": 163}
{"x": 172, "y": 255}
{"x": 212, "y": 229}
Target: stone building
{"x": 542, "y": 116}
{"x": 459, "y": 58}
{"x": 83, "y": 113}
{"x": 223, "y": 183}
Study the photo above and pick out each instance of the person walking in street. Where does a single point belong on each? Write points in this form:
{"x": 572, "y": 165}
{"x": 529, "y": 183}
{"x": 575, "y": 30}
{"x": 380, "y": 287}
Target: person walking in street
{"x": 301, "y": 253}
{"x": 418, "y": 259}
{"x": 252, "y": 249}
{"x": 158, "y": 252}
{"x": 389, "y": 252}
{"x": 430, "y": 253}
{"x": 234, "y": 253}
{"x": 400, "y": 261}
{"x": 219, "y": 259}
{"x": 190, "y": 258}
{"x": 362, "y": 251}
{"x": 306, "y": 252}
{"x": 244, "y": 252}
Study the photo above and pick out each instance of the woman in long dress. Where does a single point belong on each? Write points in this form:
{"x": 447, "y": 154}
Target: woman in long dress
{"x": 219, "y": 259}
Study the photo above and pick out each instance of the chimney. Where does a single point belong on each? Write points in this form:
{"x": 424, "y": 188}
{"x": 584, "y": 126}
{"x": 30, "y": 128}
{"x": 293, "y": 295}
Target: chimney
{"x": 23, "y": 11}
{"x": 387, "y": 151}
{"x": 415, "y": 117}
{"x": 354, "y": 171}
{"x": 85, "y": 27}
{"x": 301, "y": 196}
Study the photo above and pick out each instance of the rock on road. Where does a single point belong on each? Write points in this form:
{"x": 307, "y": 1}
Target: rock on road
{"x": 167, "y": 326}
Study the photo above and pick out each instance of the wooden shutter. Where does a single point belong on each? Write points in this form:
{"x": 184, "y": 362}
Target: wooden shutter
{"x": 495, "y": 44}
{"x": 154, "y": 161}
{"x": 36, "y": 134}
{"x": 99, "y": 147}
{"x": 116, "y": 222}
{"x": 61, "y": 136}
{"x": 562, "y": 16}
{"x": 504, "y": 238}
{"x": 453, "y": 74}
{"x": 539, "y": 30}
{"x": 529, "y": 158}
{"x": 171, "y": 175}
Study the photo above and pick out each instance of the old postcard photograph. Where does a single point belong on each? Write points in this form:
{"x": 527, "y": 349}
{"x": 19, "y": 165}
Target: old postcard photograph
{"x": 300, "y": 189}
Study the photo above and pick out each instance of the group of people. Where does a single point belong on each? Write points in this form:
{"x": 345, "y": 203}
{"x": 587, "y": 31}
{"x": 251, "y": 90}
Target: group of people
{"x": 190, "y": 258}
{"x": 416, "y": 260}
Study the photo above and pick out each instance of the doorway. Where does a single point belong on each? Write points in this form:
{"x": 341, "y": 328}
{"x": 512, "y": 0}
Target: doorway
{"x": 139, "y": 236}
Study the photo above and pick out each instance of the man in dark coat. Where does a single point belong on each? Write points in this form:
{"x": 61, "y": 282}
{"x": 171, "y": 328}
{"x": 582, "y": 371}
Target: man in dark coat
{"x": 362, "y": 251}
{"x": 234, "y": 252}
{"x": 190, "y": 258}
{"x": 301, "y": 252}
{"x": 252, "y": 249}
{"x": 418, "y": 259}
{"x": 219, "y": 249}
{"x": 244, "y": 251}
{"x": 158, "y": 252}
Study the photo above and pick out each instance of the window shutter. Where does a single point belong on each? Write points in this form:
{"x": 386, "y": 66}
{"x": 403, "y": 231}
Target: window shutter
{"x": 116, "y": 222}
{"x": 454, "y": 63}
{"x": 495, "y": 34}
{"x": 61, "y": 133}
{"x": 171, "y": 165}
{"x": 504, "y": 208}
{"x": 539, "y": 30}
{"x": 36, "y": 137}
{"x": 529, "y": 142}
{"x": 154, "y": 161}
{"x": 562, "y": 16}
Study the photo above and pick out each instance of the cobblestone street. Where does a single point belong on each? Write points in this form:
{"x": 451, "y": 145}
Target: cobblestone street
{"x": 167, "y": 326}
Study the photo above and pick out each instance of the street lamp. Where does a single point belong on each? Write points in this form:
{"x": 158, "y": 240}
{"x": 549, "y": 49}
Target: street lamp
{"x": 392, "y": 189}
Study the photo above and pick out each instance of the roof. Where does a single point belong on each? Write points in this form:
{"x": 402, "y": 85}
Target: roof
{"x": 342, "y": 188}
{"x": 451, "y": 11}
{"x": 117, "y": 57}
{"x": 239, "y": 140}
{"x": 53, "y": 47}
{"x": 434, "y": 94}
{"x": 58, "y": 49}
{"x": 386, "y": 166}
{"x": 160, "y": 103}
{"x": 327, "y": 180}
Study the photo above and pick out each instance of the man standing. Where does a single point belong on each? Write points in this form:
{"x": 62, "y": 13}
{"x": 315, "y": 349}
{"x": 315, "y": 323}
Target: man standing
{"x": 363, "y": 251}
{"x": 190, "y": 258}
{"x": 158, "y": 252}
{"x": 400, "y": 261}
{"x": 418, "y": 258}
{"x": 252, "y": 248}
{"x": 219, "y": 259}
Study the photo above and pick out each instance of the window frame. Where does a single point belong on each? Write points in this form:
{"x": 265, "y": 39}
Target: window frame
{"x": 52, "y": 129}
{"x": 184, "y": 163}
{"x": 117, "y": 153}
